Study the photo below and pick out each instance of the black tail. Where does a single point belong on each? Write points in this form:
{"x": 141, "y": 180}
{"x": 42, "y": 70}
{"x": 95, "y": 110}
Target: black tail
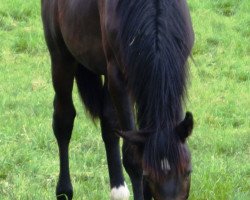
{"x": 90, "y": 90}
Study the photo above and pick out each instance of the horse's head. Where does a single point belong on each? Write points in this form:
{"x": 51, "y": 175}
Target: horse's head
{"x": 174, "y": 181}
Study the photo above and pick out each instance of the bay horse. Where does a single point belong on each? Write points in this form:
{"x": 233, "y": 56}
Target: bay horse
{"x": 141, "y": 48}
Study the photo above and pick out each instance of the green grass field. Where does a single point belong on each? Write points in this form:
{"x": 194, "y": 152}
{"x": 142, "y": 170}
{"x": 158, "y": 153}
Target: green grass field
{"x": 219, "y": 97}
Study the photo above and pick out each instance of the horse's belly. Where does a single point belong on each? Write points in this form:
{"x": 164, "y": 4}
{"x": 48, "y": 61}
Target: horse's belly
{"x": 80, "y": 27}
{"x": 91, "y": 56}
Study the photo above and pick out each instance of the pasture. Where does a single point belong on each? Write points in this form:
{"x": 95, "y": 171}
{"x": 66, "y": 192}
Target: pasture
{"x": 219, "y": 97}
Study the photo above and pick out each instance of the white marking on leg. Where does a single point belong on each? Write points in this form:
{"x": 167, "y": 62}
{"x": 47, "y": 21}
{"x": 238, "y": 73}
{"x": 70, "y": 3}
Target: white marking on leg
{"x": 120, "y": 193}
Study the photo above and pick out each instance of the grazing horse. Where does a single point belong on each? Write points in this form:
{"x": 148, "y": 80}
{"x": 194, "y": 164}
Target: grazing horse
{"x": 141, "y": 48}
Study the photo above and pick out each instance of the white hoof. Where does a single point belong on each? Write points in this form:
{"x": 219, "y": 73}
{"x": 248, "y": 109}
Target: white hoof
{"x": 120, "y": 193}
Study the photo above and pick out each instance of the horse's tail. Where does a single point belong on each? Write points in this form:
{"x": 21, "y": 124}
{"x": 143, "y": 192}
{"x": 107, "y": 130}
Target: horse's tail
{"x": 90, "y": 90}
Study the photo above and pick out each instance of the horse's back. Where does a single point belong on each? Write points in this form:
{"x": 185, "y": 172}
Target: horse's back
{"x": 75, "y": 24}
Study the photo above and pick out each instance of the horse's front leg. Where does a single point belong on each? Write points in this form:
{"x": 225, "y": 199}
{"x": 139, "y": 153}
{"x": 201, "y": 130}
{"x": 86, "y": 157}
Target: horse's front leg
{"x": 123, "y": 105}
{"x": 109, "y": 124}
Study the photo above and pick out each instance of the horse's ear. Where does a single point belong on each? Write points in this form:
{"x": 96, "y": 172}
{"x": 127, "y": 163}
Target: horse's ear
{"x": 135, "y": 137}
{"x": 184, "y": 129}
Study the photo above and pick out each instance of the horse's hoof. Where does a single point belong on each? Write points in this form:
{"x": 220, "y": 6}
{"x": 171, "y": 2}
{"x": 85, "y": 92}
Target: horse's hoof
{"x": 64, "y": 193}
{"x": 64, "y": 197}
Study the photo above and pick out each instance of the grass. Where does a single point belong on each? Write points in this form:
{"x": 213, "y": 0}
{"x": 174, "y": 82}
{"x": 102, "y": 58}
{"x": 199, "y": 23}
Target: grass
{"x": 219, "y": 97}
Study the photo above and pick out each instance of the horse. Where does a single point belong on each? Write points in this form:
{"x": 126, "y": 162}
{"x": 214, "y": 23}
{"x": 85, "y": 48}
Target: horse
{"x": 129, "y": 61}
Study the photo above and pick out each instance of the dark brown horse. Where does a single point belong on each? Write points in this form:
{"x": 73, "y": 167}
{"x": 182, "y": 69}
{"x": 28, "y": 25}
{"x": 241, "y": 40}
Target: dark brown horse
{"x": 141, "y": 47}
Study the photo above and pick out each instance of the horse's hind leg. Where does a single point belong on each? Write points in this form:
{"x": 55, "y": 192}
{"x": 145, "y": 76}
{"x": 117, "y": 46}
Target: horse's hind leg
{"x": 109, "y": 124}
{"x": 64, "y": 113}
{"x": 63, "y": 71}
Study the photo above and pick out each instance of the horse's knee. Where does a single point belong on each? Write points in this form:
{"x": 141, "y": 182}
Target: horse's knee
{"x": 109, "y": 121}
{"x": 108, "y": 133}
